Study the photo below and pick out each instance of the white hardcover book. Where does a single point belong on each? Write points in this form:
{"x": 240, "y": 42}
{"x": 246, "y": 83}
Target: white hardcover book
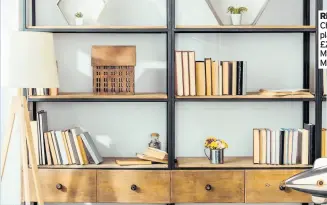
{"x": 186, "y": 75}
{"x": 277, "y": 136}
{"x": 268, "y": 145}
{"x": 56, "y": 146}
{"x": 294, "y": 146}
{"x": 285, "y": 157}
{"x": 290, "y": 146}
{"x": 179, "y": 73}
{"x": 220, "y": 78}
{"x": 90, "y": 146}
{"x": 273, "y": 147}
{"x": 76, "y": 131}
{"x": 61, "y": 146}
{"x": 191, "y": 57}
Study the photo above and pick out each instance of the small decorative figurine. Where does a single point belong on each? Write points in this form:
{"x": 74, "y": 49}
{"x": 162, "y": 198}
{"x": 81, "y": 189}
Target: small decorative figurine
{"x": 216, "y": 147}
{"x": 155, "y": 143}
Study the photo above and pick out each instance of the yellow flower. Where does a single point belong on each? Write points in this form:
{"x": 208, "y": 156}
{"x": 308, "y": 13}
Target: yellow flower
{"x": 209, "y": 140}
{"x": 213, "y": 145}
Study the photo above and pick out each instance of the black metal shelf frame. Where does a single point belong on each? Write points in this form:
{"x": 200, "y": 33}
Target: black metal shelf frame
{"x": 245, "y": 30}
{"x": 171, "y": 32}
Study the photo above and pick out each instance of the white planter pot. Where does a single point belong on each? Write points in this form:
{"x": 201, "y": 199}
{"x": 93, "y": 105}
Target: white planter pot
{"x": 236, "y": 19}
{"x": 79, "y": 21}
{"x": 255, "y": 10}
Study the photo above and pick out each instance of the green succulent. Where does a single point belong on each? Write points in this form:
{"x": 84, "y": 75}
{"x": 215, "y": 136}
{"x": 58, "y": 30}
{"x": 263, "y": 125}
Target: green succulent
{"x": 78, "y": 14}
{"x": 236, "y": 10}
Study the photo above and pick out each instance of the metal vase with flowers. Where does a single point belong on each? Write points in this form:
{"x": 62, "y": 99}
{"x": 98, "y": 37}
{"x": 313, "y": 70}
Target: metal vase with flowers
{"x": 216, "y": 147}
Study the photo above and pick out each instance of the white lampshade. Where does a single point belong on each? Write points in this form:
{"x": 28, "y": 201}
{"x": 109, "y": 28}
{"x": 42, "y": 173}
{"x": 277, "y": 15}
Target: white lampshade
{"x": 32, "y": 61}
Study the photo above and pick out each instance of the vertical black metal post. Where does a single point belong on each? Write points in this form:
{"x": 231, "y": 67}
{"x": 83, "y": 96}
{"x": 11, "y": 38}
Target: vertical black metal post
{"x": 170, "y": 82}
{"x": 306, "y": 60}
{"x": 318, "y": 85}
{"x": 33, "y": 16}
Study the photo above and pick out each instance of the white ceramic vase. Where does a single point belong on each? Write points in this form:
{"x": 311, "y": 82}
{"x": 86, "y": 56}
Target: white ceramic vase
{"x": 79, "y": 21}
{"x": 236, "y": 19}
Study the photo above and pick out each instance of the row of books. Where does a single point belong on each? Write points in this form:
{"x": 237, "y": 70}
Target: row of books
{"x": 283, "y": 146}
{"x": 62, "y": 147}
{"x": 42, "y": 91}
{"x": 208, "y": 77}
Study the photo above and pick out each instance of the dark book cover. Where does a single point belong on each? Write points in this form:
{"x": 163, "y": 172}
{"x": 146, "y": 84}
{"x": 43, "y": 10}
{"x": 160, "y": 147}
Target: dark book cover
{"x": 311, "y": 129}
{"x": 281, "y": 147}
{"x": 230, "y": 78}
{"x": 239, "y": 77}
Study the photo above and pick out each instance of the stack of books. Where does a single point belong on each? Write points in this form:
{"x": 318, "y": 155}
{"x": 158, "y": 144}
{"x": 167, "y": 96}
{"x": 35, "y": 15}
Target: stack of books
{"x": 42, "y": 91}
{"x": 283, "y": 146}
{"x": 62, "y": 147}
{"x": 208, "y": 77}
{"x": 149, "y": 156}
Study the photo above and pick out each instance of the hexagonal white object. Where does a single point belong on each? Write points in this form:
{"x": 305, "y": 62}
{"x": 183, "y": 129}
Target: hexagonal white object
{"x": 255, "y": 10}
{"x": 91, "y": 10}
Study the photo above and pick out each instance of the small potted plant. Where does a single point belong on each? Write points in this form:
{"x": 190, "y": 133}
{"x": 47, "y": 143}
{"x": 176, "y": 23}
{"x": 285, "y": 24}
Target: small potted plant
{"x": 236, "y": 14}
{"x": 79, "y": 18}
{"x": 216, "y": 147}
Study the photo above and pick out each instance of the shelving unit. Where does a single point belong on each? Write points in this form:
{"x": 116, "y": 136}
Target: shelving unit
{"x": 176, "y": 164}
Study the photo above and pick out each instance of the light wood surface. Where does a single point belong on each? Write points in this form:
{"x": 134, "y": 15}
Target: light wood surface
{"x": 115, "y": 186}
{"x": 262, "y": 186}
{"x": 95, "y": 96}
{"x": 229, "y": 162}
{"x": 189, "y": 186}
{"x": 77, "y": 185}
{"x": 31, "y": 149}
{"x": 245, "y": 26}
{"x": 253, "y": 95}
{"x": 108, "y": 162}
{"x": 97, "y": 27}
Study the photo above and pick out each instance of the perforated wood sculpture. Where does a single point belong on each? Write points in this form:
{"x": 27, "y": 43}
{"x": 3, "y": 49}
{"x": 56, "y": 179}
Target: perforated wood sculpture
{"x": 113, "y": 69}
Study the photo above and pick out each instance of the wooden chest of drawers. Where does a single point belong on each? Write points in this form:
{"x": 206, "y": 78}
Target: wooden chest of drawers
{"x": 133, "y": 186}
{"x": 262, "y": 186}
{"x": 166, "y": 186}
{"x": 207, "y": 186}
{"x": 65, "y": 185}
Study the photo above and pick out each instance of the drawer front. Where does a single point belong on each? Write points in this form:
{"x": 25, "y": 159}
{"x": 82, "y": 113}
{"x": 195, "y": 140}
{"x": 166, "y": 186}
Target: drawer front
{"x": 262, "y": 186}
{"x": 131, "y": 186}
{"x": 76, "y": 185}
{"x": 207, "y": 186}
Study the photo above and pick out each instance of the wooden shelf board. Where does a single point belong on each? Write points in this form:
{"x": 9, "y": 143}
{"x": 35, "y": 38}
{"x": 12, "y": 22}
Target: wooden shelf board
{"x": 108, "y": 163}
{"x": 97, "y": 27}
{"x": 230, "y": 162}
{"x": 248, "y": 96}
{"x": 246, "y": 27}
{"x": 96, "y": 96}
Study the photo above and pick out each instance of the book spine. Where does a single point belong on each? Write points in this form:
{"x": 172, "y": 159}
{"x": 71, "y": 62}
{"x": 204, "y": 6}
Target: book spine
{"x": 239, "y": 78}
{"x": 281, "y": 147}
{"x": 244, "y": 78}
{"x": 230, "y": 78}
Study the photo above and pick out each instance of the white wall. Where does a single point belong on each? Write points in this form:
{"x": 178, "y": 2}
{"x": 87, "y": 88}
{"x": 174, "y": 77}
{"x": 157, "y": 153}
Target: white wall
{"x": 10, "y": 186}
{"x": 274, "y": 61}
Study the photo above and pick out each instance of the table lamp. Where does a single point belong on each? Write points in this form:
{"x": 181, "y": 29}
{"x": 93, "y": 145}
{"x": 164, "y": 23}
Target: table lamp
{"x": 32, "y": 64}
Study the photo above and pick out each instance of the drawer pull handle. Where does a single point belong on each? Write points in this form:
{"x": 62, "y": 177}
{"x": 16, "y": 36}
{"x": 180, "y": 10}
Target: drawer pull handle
{"x": 59, "y": 186}
{"x": 133, "y": 187}
{"x": 208, "y": 187}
